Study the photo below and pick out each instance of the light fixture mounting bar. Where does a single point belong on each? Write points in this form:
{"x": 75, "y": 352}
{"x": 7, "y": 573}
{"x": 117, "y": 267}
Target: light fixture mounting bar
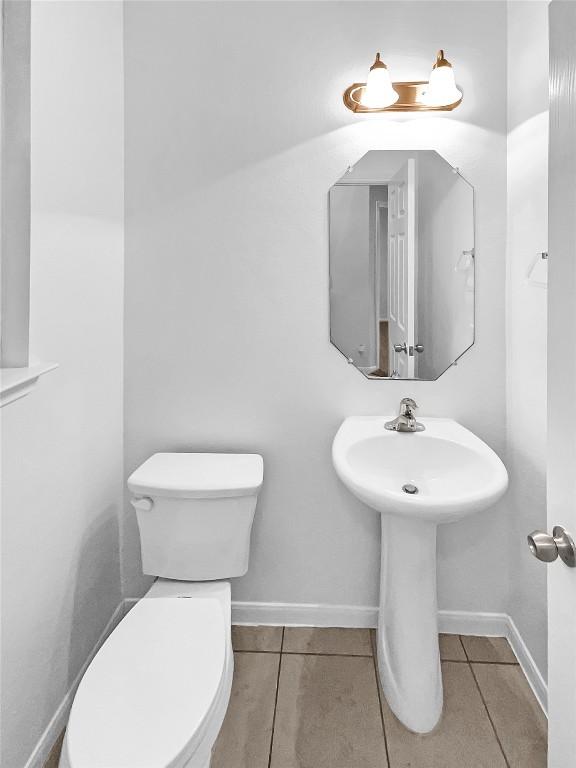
{"x": 410, "y": 99}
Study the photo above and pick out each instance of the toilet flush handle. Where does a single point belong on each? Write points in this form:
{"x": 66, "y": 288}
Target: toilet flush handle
{"x": 143, "y": 504}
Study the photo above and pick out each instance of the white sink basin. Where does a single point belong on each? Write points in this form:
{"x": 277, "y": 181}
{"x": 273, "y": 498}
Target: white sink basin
{"x": 452, "y": 474}
{"x": 454, "y": 471}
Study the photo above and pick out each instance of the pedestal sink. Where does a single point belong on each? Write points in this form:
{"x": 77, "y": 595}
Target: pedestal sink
{"x": 416, "y": 480}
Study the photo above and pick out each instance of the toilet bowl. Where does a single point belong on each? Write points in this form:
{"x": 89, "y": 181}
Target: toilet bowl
{"x": 156, "y": 693}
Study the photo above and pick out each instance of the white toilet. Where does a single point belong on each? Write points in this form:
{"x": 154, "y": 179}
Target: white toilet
{"x": 156, "y": 693}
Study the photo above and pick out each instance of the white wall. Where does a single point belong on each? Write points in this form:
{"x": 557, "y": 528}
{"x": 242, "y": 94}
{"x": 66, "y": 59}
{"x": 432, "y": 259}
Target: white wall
{"x": 62, "y": 444}
{"x": 526, "y": 312}
{"x": 235, "y": 131}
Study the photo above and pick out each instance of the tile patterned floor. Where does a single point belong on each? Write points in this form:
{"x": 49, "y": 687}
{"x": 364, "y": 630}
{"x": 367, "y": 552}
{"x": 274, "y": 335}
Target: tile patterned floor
{"x": 309, "y": 698}
{"x": 329, "y": 710}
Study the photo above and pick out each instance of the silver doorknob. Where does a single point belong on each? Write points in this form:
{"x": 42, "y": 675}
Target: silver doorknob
{"x": 419, "y": 347}
{"x": 548, "y": 548}
{"x": 400, "y": 347}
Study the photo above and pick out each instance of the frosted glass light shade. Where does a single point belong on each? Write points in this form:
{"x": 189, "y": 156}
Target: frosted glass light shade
{"x": 442, "y": 88}
{"x": 378, "y": 92}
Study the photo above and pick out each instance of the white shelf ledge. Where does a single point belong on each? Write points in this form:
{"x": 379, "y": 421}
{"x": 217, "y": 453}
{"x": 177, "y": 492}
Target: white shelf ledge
{"x": 17, "y": 382}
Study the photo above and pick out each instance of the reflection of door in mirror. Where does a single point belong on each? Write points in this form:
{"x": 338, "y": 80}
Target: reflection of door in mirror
{"x": 382, "y": 282}
{"x": 401, "y": 266}
{"x": 379, "y": 262}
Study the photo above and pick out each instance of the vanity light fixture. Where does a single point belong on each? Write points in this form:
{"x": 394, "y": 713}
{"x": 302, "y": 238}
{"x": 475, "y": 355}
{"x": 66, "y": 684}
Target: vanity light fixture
{"x": 379, "y": 94}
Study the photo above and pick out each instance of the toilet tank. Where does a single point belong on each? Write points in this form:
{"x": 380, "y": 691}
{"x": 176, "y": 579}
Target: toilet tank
{"x": 195, "y": 513}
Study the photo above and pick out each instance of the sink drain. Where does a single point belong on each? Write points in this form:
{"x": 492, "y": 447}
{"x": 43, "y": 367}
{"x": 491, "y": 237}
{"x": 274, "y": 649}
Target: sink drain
{"x": 409, "y": 488}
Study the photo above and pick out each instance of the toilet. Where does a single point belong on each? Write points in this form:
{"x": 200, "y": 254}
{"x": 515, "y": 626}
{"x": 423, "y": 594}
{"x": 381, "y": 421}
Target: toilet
{"x": 156, "y": 693}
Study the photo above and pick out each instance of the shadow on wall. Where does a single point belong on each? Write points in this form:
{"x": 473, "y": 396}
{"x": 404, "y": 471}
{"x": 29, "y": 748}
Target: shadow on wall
{"x": 131, "y": 554}
{"x": 231, "y": 193}
{"x": 230, "y": 107}
{"x": 91, "y": 585}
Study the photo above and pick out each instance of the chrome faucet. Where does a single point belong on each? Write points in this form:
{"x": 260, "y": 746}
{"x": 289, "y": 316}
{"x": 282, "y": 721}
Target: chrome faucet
{"x": 406, "y": 420}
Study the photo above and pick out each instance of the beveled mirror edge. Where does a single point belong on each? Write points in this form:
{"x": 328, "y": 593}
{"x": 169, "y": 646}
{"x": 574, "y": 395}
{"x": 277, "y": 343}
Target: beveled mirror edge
{"x": 453, "y": 364}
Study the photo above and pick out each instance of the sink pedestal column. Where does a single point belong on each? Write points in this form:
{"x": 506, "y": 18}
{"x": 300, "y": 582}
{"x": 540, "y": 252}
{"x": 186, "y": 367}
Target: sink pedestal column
{"x": 408, "y": 652}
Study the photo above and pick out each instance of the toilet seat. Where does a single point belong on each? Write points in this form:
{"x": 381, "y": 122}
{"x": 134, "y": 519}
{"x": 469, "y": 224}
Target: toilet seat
{"x": 156, "y": 693}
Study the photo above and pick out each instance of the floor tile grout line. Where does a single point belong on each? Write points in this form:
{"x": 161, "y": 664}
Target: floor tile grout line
{"x": 327, "y": 653}
{"x": 366, "y": 656}
{"x": 473, "y": 661}
{"x": 306, "y": 653}
{"x": 375, "y": 662}
{"x": 462, "y": 646}
{"x": 276, "y": 699}
{"x": 471, "y": 668}
{"x": 489, "y": 715}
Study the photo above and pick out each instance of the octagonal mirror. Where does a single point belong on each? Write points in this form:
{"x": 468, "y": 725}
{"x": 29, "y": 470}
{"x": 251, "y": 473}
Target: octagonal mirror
{"x": 402, "y": 265}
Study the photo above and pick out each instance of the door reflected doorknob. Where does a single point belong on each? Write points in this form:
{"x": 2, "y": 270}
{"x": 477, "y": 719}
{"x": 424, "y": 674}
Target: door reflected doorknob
{"x": 400, "y": 347}
{"x": 548, "y": 548}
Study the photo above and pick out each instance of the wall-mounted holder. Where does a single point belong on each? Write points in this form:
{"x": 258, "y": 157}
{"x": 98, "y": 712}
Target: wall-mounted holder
{"x": 538, "y": 272}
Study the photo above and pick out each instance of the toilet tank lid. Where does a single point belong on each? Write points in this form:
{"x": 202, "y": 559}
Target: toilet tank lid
{"x": 198, "y": 475}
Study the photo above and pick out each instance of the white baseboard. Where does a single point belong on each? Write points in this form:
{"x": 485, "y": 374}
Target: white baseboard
{"x": 473, "y": 623}
{"x": 497, "y": 625}
{"x": 58, "y": 722}
{"x": 316, "y": 615}
{"x": 304, "y": 614}
{"x": 529, "y": 667}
